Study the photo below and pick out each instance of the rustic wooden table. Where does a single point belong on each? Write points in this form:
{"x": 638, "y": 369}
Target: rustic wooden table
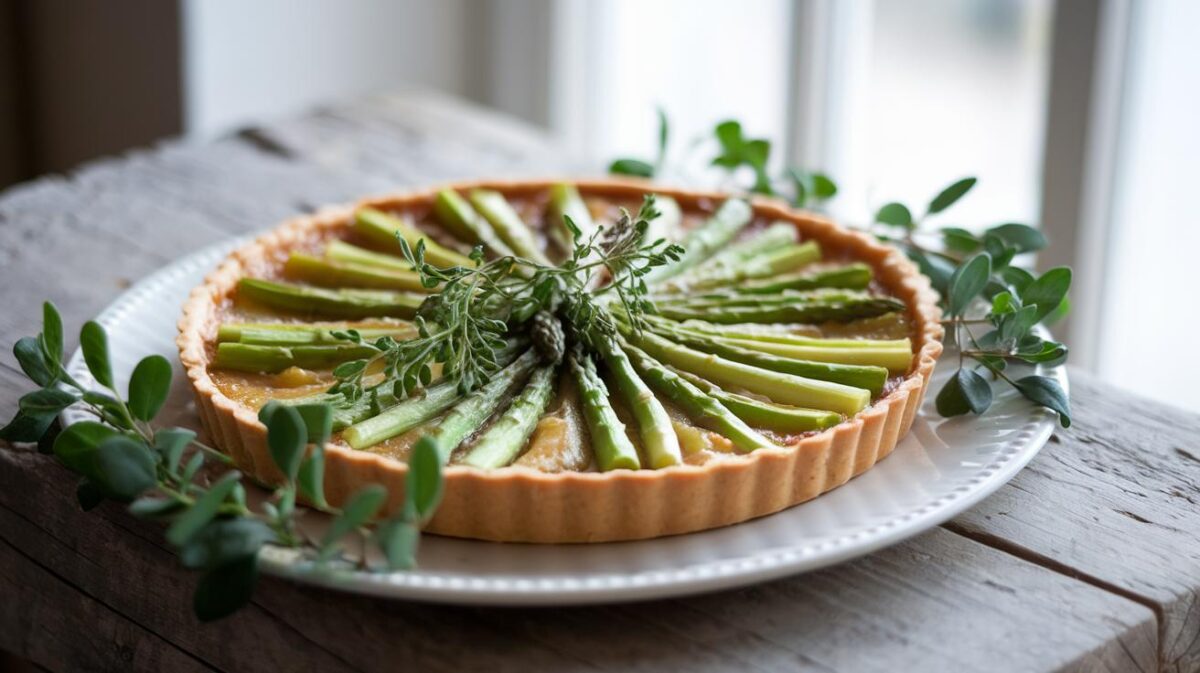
{"x": 1088, "y": 560}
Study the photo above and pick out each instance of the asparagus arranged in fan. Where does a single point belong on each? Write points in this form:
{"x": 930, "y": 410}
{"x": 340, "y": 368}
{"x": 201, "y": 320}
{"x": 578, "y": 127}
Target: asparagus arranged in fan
{"x": 680, "y": 326}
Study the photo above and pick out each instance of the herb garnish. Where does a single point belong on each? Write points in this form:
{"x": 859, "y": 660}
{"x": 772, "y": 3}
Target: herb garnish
{"x": 167, "y": 475}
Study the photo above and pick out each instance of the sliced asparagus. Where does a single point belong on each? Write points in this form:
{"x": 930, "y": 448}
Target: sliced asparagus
{"x": 382, "y": 230}
{"x": 609, "y": 442}
{"x": 702, "y": 242}
{"x": 801, "y": 311}
{"x": 289, "y": 334}
{"x": 769, "y": 415}
{"x": 340, "y": 303}
{"x": 774, "y": 237}
{"x": 659, "y": 441}
{"x": 507, "y": 224}
{"x": 893, "y": 354}
{"x": 860, "y": 376}
{"x": 271, "y": 359}
{"x": 341, "y": 251}
{"x": 855, "y": 276}
{"x": 502, "y": 442}
{"x": 413, "y": 411}
{"x": 701, "y": 408}
{"x": 785, "y": 259}
{"x": 327, "y": 273}
{"x": 453, "y": 211}
{"x": 565, "y": 200}
{"x": 785, "y": 388}
{"x": 469, "y": 414}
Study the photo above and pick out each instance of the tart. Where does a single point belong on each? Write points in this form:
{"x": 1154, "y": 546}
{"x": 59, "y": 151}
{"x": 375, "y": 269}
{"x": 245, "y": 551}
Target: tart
{"x": 774, "y": 358}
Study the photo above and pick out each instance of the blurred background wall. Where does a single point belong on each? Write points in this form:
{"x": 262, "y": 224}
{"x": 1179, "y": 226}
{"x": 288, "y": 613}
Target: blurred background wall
{"x": 1078, "y": 115}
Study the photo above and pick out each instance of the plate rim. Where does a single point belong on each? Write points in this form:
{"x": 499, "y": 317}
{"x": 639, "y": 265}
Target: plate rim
{"x": 695, "y": 578}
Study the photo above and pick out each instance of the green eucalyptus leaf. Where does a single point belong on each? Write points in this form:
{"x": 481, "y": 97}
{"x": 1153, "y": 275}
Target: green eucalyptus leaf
{"x": 965, "y": 391}
{"x": 124, "y": 468}
{"x": 203, "y": 510}
{"x": 1020, "y": 236}
{"x": 318, "y": 421}
{"x": 286, "y": 438}
{"x": 52, "y": 333}
{"x": 960, "y": 240}
{"x": 94, "y": 343}
{"x": 223, "y": 590}
{"x": 398, "y": 540}
{"x": 171, "y": 443}
{"x": 1005, "y": 302}
{"x": 154, "y": 507}
{"x": 1048, "y": 291}
{"x": 1017, "y": 277}
{"x": 823, "y": 187}
{"x": 224, "y": 541}
{"x": 423, "y": 485}
{"x": 950, "y": 195}
{"x": 1018, "y": 323}
{"x": 967, "y": 282}
{"x": 895, "y": 214}
{"x": 938, "y": 269}
{"x": 76, "y": 445}
{"x": 634, "y": 167}
{"x": 1001, "y": 252}
{"x": 148, "y": 387}
{"x": 28, "y": 352}
{"x": 47, "y": 400}
{"x": 1047, "y": 392}
{"x": 311, "y": 478}
{"x": 27, "y": 427}
{"x": 357, "y": 511}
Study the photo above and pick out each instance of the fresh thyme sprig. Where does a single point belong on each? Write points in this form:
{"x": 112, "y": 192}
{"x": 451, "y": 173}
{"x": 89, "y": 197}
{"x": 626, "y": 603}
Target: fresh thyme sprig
{"x": 165, "y": 474}
{"x": 463, "y": 326}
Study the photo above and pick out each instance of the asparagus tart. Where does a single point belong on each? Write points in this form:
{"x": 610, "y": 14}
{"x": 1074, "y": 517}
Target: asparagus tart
{"x": 593, "y": 360}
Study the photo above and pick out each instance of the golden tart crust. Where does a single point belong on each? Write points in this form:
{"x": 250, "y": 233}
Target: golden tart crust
{"x": 518, "y": 504}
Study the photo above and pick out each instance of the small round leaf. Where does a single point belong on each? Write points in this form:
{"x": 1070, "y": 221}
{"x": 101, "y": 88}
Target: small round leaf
{"x": 148, "y": 387}
{"x": 286, "y": 437}
{"x": 949, "y": 195}
{"x": 94, "y": 342}
{"x": 223, "y": 590}
{"x": 1045, "y": 391}
{"x": 124, "y": 468}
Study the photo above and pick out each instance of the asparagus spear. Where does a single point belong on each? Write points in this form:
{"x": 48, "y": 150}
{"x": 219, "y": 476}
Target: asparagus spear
{"x": 507, "y": 224}
{"x": 271, "y": 359}
{"x": 473, "y": 410}
{"x": 288, "y": 334}
{"x": 653, "y": 423}
{"x": 382, "y": 229}
{"x": 774, "y": 237}
{"x": 453, "y": 211}
{"x": 805, "y": 311}
{"x": 503, "y": 441}
{"x": 893, "y": 354}
{"x": 855, "y": 276}
{"x": 565, "y": 201}
{"x": 860, "y": 376}
{"x": 609, "y": 442}
{"x": 760, "y": 414}
{"x": 341, "y": 303}
{"x": 413, "y": 411}
{"x": 699, "y": 407}
{"x": 334, "y": 274}
{"x": 785, "y": 388}
{"x": 705, "y": 240}
{"x": 729, "y": 299}
{"x": 785, "y": 259}
{"x": 341, "y": 251}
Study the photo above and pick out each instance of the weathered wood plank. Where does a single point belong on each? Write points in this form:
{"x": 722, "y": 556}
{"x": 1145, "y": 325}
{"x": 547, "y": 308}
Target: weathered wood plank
{"x": 941, "y": 602}
{"x": 1114, "y": 499}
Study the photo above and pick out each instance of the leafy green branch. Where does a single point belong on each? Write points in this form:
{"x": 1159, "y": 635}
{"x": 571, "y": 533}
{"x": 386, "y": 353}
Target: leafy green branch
{"x": 167, "y": 475}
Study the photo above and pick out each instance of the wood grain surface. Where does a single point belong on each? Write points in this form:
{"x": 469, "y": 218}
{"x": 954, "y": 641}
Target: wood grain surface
{"x": 1088, "y": 560}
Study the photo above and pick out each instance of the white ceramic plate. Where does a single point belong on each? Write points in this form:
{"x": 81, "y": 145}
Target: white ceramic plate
{"x": 939, "y": 470}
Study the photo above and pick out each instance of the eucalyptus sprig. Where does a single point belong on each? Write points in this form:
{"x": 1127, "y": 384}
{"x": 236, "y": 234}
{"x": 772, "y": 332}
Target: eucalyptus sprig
{"x": 464, "y": 325}
{"x": 980, "y": 287}
{"x": 167, "y": 475}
